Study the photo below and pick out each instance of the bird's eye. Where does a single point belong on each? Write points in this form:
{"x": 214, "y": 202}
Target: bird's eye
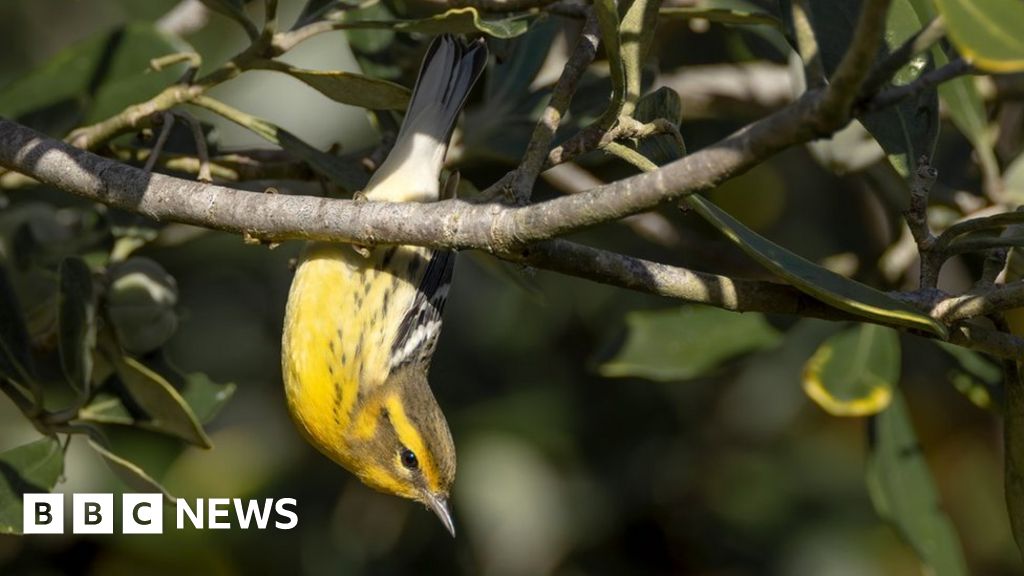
{"x": 409, "y": 459}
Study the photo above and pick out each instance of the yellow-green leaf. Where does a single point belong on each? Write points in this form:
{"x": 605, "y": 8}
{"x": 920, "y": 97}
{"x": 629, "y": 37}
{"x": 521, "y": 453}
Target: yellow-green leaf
{"x": 838, "y": 291}
{"x": 687, "y": 342}
{"x": 346, "y": 87}
{"x": 904, "y": 493}
{"x": 459, "y": 21}
{"x": 33, "y": 467}
{"x": 986, "y": 32}
{"x": 853, "y": 373}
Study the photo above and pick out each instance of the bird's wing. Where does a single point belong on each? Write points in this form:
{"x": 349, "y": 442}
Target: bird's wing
{"x": 420, "y": 326}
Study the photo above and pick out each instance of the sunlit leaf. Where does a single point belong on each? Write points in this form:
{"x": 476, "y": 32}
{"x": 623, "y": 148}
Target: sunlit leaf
{"x": 739, "y": 12}
{"x": 346, "y": 87}
{"x": 687, "y": 342}
{"x": 31, "y": 468}
{"x": 464, "y": 21}
{"x": 986, "y": 32}
{"x": 77, "y": 322}
{"x": 853, "y": 373}
{"x": 821, "y": 283}
{"x": 904, "y": 493}
{"x": 133, "y": 476}
{"x": 166, "y": 410}
{"x": 909, "y": 129}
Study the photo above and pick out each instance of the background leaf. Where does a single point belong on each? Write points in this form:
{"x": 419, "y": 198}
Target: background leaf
{"x": 853, "y": 373}
{"x": 166, "y": 410}
{"x": 687, "y": 342}
{"x": 905, "y": 131}
{"x": 904, "y": 493}
{"x": 77, "y": 322}
{"x": 740, "y": 12}
{"x": 986, "y": 32}
{"x": 33, "y": 467}
{"x": 133, "y": 476}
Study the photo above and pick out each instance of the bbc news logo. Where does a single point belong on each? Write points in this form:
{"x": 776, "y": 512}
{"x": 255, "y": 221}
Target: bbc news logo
{"x": 144, "y": 514}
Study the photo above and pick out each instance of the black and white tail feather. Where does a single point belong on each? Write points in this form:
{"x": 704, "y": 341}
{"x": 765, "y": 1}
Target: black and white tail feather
{"x": 412, "y": 173}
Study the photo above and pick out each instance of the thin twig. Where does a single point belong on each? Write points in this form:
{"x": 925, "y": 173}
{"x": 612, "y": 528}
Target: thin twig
{"x": 897, "y": 94}
{"x": 537, "y": 149}
{"x": 167, "y": 123}
{"x": 200, "y": 140}
{"x": 883, "y": 71}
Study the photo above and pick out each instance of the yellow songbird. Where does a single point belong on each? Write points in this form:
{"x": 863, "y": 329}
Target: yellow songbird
{"x": 360, "y": 328}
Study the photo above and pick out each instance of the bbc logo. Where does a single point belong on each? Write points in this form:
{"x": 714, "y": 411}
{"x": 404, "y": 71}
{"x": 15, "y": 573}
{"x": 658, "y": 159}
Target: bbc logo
{"x": 93, "y": 514}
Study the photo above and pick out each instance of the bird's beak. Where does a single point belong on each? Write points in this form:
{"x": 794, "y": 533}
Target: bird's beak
{"x": 439, "y": 504}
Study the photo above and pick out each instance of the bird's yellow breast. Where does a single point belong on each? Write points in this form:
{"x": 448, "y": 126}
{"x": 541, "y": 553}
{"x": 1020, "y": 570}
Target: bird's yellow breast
{"x": 343, "y": 313}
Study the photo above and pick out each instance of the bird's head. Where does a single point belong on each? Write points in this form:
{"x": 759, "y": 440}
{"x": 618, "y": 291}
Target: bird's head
{"x": 401, "y": 444}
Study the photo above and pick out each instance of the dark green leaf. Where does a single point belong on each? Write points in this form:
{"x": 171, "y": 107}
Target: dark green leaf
{"x": 204, "y": 396}
{"x": 134, "y": 477}
{"x": 77, "y": 322}
{"x": 166, "y": 410}
{"x": 853, "y": 373}
{"x": 31, "y": 468}
{"x": 821, "y": 283}
{"x": 346, "y": 87}
{"x": 904, "y": 493}
{"x": 662, "y": 103}
{"x": 687, "y": 342}
{"x": 140, "y": 301}
{"x": 986, "y": 32}
{"x": 15, "y": 359}
{"x": 905, "y": 131}
{"x": 97, "y": 77}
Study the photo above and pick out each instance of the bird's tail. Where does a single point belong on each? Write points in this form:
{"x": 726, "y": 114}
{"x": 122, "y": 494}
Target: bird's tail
{"x": 413, "y": 168}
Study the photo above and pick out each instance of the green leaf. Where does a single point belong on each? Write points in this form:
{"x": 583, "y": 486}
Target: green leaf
{"x": 686, "y": 342}
{"x": 346, "y": 175}
{"x": 462, "y": 21}
{"x": 97, "y": 77}
{"x": 346, "y": 87}
{"x": 853, "y": 373}
{"x": 1013, "y": 438}
{"x": 909, "y": 129}
{"x": 15, "y": 358}
{"x": 738, "y": 12}
{"x": 608, "y": 22}
{"x": 166, "y": 410}
{"x": 986, "y": 32}
{"x": 966, "y": 108}
{"x": 31, "y": 468}
{"x": 821, "y": 283}
{"x": 315, "y": 10}
{"x": 1013, "y": 179}
{"x": 130, "y": 473}
{"x": 636, "y": 33}
{"x": 204, "y": 396}
{"x": 77, "y": 322}
{"x": 977, "y": 378}
{"x": 904, "y": 494}
{"x": 662, "y": 103}
{"x": 234, "y": 9}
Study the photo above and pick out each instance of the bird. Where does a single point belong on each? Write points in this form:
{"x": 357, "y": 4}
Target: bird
{"x": 361, "y": 325}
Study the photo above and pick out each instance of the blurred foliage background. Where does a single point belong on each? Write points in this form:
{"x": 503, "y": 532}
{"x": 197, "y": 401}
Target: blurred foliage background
{"x": 575, "y": 455}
